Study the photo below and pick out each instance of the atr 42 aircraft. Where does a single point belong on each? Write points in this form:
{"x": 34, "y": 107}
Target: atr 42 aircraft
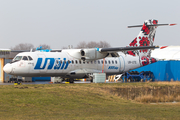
{"x": 81, "y": 63}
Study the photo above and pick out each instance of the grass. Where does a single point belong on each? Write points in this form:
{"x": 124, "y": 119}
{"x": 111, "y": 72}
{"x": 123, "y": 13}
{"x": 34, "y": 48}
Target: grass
{"x": 81, "y": 101}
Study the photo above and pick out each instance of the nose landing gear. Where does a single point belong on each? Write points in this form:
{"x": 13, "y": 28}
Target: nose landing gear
{"x": 16, "y": 81}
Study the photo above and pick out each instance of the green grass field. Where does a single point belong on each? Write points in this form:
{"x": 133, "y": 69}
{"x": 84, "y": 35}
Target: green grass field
{"x": 79, "y": 101}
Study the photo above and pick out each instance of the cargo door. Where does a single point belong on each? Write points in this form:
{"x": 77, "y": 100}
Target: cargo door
{"x": 121, "y": 63}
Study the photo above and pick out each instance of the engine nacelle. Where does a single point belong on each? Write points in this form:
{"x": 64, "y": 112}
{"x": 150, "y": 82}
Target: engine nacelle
{"x": 91, "y": 54}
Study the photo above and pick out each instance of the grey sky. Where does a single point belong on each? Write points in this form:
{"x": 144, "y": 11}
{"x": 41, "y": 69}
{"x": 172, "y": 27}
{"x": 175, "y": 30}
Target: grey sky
{"x": 67, "y": 22}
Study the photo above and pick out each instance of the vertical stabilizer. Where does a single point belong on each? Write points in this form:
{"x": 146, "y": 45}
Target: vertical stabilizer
{"x": 144, "y": 38}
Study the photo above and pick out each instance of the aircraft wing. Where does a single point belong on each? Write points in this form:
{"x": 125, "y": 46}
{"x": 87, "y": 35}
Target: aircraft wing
{"x": 89, "y": 54}
{"x": 118, "y": 49}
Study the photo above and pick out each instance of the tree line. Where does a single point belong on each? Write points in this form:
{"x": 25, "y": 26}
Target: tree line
{"x": 29, "y": 46}
{"x": 80, "y": 45}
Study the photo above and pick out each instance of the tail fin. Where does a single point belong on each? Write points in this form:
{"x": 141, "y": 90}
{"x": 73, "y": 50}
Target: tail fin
{"x": 145, "y": 37}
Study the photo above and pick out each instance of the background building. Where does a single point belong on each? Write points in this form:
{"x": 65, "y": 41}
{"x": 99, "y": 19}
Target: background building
{"x": 6, "y": 56}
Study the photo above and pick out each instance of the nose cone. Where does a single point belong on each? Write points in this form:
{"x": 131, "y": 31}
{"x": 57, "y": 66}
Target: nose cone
{"x": 7, "y": 68}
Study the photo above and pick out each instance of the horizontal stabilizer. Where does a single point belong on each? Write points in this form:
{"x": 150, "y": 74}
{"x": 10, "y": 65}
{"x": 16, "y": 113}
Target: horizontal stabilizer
{"x": 152, "y": 25}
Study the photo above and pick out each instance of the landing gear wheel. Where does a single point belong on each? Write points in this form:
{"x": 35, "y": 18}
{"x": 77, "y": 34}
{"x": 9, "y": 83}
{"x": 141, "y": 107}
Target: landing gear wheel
{"x": 67, "y": 80}
{"x": 71, "y": 80}
{"x": 91, "y": 79}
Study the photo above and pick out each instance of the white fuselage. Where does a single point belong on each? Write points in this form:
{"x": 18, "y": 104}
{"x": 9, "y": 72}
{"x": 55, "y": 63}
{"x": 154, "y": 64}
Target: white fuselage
{"x": 81, "y": 63}
{"x": 66, "y": 66}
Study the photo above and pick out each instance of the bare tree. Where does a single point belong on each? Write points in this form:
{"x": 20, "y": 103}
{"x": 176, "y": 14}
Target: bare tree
{"x": 23, "y": 46}
{"x": 69, "y": 47}
{"x": 81, "y": 45}
{"x": 44, "y": 46}
{"x": 104, "y": 44}
{"x": 92, "y": 44}
{"x": 64, "y": 47}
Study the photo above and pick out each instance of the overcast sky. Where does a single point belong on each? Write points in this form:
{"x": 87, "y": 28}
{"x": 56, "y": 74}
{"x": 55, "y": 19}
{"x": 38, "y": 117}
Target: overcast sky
{"x": 67, "y": 22}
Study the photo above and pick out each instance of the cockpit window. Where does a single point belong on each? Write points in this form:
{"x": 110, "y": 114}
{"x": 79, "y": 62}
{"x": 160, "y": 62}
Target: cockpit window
{"x": 30, "y": 58}
{"x": 17, "y": 58}
{"x": 25, "y": 58}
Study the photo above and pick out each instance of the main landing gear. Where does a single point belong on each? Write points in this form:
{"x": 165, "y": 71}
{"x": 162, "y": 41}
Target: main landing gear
{"x": 91, "y": 79}
{"x": 70, "y": 80}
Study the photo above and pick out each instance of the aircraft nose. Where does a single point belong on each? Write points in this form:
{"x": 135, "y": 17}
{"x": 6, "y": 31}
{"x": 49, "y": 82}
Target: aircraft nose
{"x": 7, "y": 68}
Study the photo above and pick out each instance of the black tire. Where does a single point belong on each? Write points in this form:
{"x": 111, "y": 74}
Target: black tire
{"x": 15, "y": 80}
{"x": 11, "y": 79}
{"x": 91, "y": 79}
{"x": 67, "y": 80}
{"x": 71, "y": 80}
{"x": 19, "y": 80}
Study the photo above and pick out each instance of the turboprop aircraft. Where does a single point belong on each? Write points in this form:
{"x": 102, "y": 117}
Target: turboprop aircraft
{"x": 81, "y": 63}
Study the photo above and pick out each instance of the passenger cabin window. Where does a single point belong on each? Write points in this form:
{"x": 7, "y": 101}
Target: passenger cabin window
{"x": 105, "y": 62}
{"x": 95, "y": 62}
{"x": 30, "y": 58}
{"x": 112, "y": 62}
{"x": 102, "y": 61}
{"x": 72, "y": 61}
{"x": 109, "y": 62}
{"x": 76, "y": 62}
{"x": 25, "y": 58}
{"x": 98, "y": 62}
{"x": 69, "y": 61}
{"x": 79, "y": 61}
{"x": 116, "y": 61}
